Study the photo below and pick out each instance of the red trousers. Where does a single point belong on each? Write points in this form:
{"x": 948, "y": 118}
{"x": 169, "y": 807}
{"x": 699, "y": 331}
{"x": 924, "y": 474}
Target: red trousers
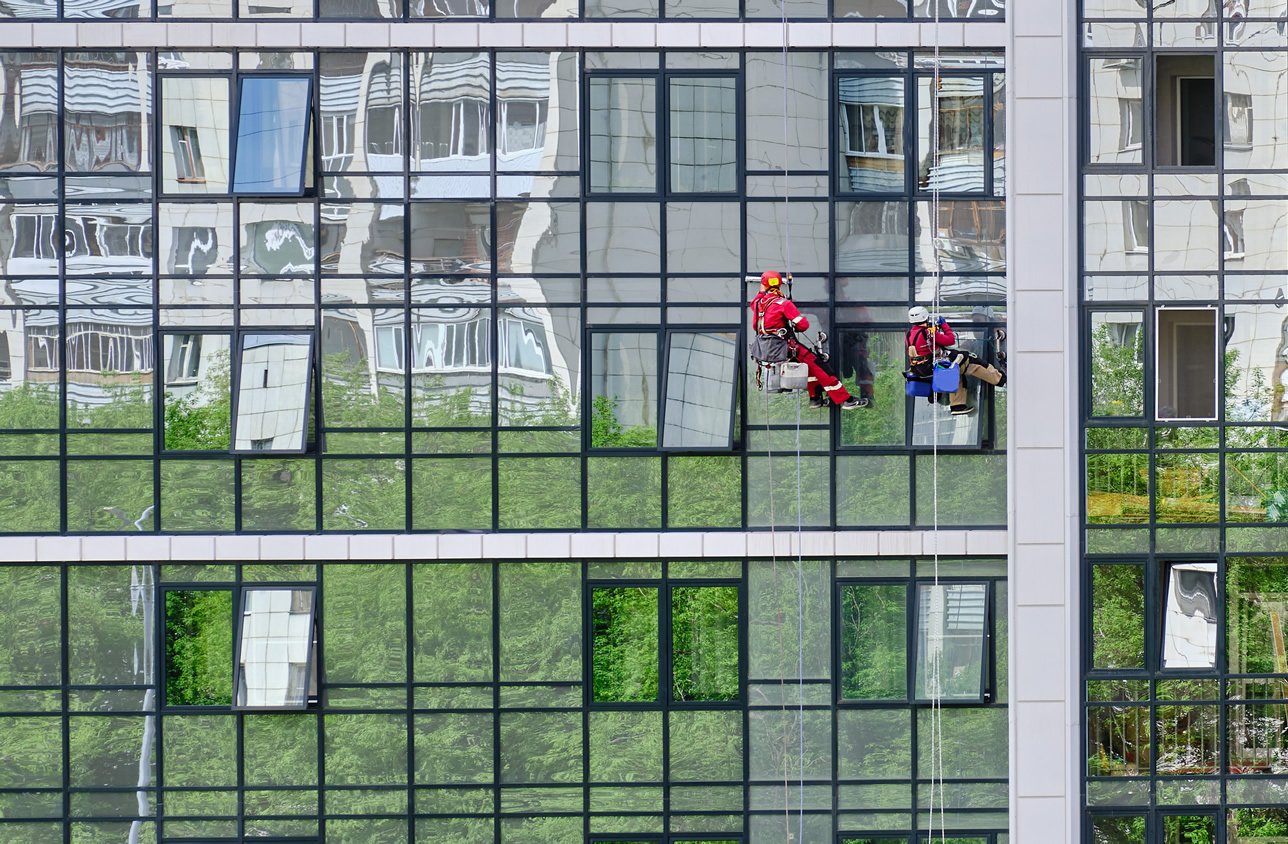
{"x": 819, "y": 376}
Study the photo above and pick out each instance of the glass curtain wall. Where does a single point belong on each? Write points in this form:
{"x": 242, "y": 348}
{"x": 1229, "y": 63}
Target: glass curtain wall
{"x": 499, "y": 701}
{"x": 1182, "y": 265}
{"x": 473, "y": 290}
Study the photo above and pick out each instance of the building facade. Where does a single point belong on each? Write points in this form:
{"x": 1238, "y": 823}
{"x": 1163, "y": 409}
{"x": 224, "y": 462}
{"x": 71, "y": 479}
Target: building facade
{"x": 382, "y": 461}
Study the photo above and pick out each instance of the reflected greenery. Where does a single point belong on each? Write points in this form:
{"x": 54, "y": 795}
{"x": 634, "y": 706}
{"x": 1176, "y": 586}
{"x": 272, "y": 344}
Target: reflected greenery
{"x": 624, "y": 649}
{"x": 199, "y": 647}
{"x": 874, "y": 642}
{"x": 704, "y": 643}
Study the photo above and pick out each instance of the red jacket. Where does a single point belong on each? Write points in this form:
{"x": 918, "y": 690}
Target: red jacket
{"x": 770, "y": 311}
{"x": 918, "y": 341}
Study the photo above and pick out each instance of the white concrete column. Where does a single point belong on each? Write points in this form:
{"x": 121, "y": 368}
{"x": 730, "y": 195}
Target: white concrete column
{"x": 1042, "y": 425}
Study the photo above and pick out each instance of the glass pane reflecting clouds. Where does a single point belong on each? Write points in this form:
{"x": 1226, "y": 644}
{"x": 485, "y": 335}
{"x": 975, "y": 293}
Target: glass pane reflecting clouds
{"x": 699, "y": 404}
{"x": 273, "y": 123}
{"x": 194, "y": 134}
{"x": 274, "y": 379}
{"x": 275, "y": 648}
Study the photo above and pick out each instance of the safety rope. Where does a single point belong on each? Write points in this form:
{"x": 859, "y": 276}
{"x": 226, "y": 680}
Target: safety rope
{"x": 936, "y": 655}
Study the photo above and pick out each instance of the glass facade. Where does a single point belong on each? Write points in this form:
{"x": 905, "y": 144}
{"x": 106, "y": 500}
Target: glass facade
{"x": 1182, "y": 263}
{"x": 503, "y": 701}
{"x": 398, "y": 291}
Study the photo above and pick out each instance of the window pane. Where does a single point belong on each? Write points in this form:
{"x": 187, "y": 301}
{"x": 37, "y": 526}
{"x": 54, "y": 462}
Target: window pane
{"x": 705, "y": 648}
{"x": 624, "y": 492}
{"x": 704, "y": 492}
{"x": 276, "y": 656}
{"x": 623, "y": 135}
{"x": 452, "y": 622}
{"x": 870, "y": 120}
{"x": 365, "y": 615}
{"x": 623, "y": 373}
{"x": 197, "y": 396}
{"x": 807, "y": 108}
{"x": 1118, "y": 830}
{"x": 1189, "y": 829}
{"x": 1116, "y": 121}
{"x": 1186, "y": 362}
{"x": 874, "y": 641}
{"x": 31, "y": 79}
{"x": 272, "y": 127}
{"x": 952, "y": 648}
{"x": 274, "y": 380}
{"x": 704, "y": 135}
{"x": 1117, "y": 364}
{"x": 624, "y": 649}
{"x": 194, "y": 134}
{"x": 537, "y": 115}
{"x": 1118, "y": 616}
{"x": 541, "y": 622}
{"x": 199, "y": 647}
{"x": 452, "y": 113}
{"x": 700, "y": 390}
{"x": 107, "y": 105}
{"x": 960, "y": 101}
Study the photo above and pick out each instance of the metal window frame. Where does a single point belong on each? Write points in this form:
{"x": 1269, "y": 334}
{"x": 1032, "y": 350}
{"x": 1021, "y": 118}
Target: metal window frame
{"x": 307, "y": 152}
{"x": 312, "y": 386}
{"x": 312, "y": 664}
{"x": 735, "y": 383}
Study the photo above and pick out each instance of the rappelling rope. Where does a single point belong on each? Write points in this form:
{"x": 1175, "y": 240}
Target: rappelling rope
{"x": 936, "y": 695}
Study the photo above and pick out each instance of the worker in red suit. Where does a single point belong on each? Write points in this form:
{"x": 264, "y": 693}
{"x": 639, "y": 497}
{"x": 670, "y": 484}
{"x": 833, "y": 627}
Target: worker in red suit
{"x": 775, "y": 322}
{"x": 926, "y": 343}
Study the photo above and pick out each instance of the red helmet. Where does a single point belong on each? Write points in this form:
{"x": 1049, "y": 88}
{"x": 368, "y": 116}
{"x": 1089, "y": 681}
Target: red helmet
{"x": 770, "y": 278}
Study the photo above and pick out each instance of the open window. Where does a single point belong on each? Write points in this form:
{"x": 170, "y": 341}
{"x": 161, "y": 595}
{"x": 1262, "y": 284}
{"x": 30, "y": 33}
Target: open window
{"x": 272, "y": 141}
{"x": 1190, "y": 611}
{"x": 1185, "y": 111}
{"x": 273, "y": 636}
{"x": 686, "y": 650}
{"x": 952, "y": 658}
{"x": 1186, "y": 366}
{"x": 273, "y": 388}
{"x": 700, "y": 389}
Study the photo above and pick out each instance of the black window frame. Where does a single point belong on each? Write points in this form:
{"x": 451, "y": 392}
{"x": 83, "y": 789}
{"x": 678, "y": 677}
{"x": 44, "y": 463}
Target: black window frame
{"x": 311, "y": 425}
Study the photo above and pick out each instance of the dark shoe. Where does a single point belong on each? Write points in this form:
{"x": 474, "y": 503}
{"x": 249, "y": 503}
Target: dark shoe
{"x": 854, "y": 404}
{"x": 930, "y": 399}
{"x": 817, "y": 402}
{"x": 962, "y": 410}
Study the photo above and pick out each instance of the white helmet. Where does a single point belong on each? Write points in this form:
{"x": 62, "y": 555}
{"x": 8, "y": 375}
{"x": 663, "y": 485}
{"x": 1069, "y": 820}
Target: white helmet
{"x": 918, "y": 315}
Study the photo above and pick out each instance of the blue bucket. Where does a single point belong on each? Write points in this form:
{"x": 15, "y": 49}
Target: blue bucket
{"x": 947, "y": 377}
{"x": 917, "y": 388}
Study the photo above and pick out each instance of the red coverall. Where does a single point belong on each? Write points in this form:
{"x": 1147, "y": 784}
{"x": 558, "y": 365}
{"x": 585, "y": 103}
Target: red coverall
{"x": 770, "y": 311}
{"x": 918, "y": 339}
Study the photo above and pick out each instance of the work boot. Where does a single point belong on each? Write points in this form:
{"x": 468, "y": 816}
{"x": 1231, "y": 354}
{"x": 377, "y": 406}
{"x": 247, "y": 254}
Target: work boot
{"x": 853, "y": 403}
{"x": 816, "y": 402}
{"x": 961, "y": 410}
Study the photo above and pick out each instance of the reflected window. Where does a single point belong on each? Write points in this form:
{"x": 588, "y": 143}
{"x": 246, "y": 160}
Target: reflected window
{"x": 197, "y": 398}
{"x": 952, "y": 641}
{"x": 700, "y": 389}
{"x": 1190, "y": 615}
{"x": 1117, "y": 351}
{"x": 188, "y": 165}
{"x": 964, "y": 145}
{"x": 1186, "y": 363}
{"x": 274, "y": 383}
{"x": 277, "y": 649}
{"x": 702, "y": 648}
{"x": 1237, "y": 126}
{"x": 871, "y": 122}
{"x": 195, "y": 115}
{"x": 273, "y": 129}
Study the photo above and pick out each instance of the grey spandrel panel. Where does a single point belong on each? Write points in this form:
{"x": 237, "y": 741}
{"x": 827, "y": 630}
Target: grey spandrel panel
{"x": 452, "y": 621}
{"x": 451, "y": 364}
{"x": 767, "y": 230}
{"x": 623, "y": 237}
{"x": 32, "y": 625}
{"x": 199, "y": 751}
{"x": 775, "y": 744}
{"x": 365, "y": 749}
{"x": 453, "y": 748}
{"x": 538, "y": 237}
{"x": 278, "y": 238}
{"x": 106, "y": 750}
{"x": 111, "y": 627}
{"x": 1256, "y": 343}
{"x": 703, "y": 237}
{"x": 107, "y": 104}
{"x": 362, "y": 238}
{"x": 1187, "y": 235}
{"x": 974, "y": 743}
{"x": 195, "y": 239}
{"x": 451, "y": 112}
{"x": 541, "y": 622}
{"x": 539, "y": 366}
{"x": 358, "y": 600}
{"x": 541, "y": 747}
{"x": 806, "y": 132}
{"x": 33, "y": 746}
{"x": 625, "y": 746}
{"x": 775, "y": 591}
{"x": 32, "y": 80}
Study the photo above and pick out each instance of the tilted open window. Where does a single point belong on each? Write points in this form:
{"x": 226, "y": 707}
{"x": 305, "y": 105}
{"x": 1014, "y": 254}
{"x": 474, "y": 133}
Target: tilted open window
{"x": 952, "y": 642}
{"x": 273, "y": 388}
{"x": 271, "y": 153}
{"x": 700, "y": 389}
{"x": 1190, "y": 612}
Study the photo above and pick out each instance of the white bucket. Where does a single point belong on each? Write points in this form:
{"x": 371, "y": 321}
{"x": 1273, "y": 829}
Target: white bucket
{"x": 793, "y": 376}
